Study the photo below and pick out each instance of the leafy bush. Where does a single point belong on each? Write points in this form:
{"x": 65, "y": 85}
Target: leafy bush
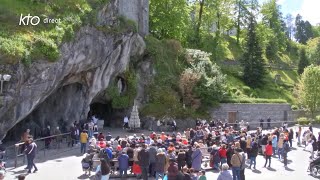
{"x": 317, "y": 120}
{"x": 294, "y": 107}
{"x": 303, "y": 121}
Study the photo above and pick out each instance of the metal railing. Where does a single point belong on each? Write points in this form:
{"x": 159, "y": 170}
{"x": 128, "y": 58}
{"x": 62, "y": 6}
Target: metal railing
{"x": 54, "y": 142}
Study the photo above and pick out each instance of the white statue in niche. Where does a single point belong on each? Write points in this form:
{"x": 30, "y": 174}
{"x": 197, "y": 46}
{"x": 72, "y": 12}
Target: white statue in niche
{"x": 119, "y": 85}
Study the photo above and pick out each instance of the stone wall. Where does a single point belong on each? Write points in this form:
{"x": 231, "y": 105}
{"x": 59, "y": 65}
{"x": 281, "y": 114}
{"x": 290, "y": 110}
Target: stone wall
{"x": 252, "y": 113}
{"x": 138, "y": 11}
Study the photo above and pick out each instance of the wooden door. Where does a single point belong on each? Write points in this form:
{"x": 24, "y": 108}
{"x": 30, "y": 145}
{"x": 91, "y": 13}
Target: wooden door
{"x": 232, "y": 117}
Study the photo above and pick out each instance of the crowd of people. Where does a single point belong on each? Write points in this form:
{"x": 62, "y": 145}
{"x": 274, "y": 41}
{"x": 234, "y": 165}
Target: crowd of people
{"x": 186, "y": 155}
{"x": 181, "y": 155}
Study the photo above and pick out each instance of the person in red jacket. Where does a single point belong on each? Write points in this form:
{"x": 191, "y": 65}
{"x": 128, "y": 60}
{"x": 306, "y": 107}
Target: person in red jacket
{"x": 268, "y": 153}
{"x": 223, "y": 154}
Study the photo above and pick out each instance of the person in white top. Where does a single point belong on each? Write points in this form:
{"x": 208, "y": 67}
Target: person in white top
{"x": 94, "y": 119}
{"x": 158, "y": 125}
{"x": 126, "y": 122}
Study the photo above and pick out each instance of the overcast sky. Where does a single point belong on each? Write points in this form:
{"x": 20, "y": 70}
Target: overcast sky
{"x": 308, "y": 9}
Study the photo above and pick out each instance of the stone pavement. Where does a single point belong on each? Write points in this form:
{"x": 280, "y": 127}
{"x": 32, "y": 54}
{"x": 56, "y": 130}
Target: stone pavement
{"x": 67, "y": 166}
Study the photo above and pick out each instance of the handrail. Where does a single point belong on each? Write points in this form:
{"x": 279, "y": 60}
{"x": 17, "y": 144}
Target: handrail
{"x": 17, "y": 145}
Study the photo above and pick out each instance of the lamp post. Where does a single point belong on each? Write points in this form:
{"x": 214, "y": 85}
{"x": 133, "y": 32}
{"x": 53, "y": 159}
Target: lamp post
{"x": 4, "y": 77}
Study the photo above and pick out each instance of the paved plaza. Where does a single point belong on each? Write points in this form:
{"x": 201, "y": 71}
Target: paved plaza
{"x": 66, "y": 166}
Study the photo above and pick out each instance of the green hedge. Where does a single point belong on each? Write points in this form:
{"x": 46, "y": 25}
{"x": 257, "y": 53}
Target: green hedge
{"x": 303, "y": 121}
{"x": 253, "y": 100}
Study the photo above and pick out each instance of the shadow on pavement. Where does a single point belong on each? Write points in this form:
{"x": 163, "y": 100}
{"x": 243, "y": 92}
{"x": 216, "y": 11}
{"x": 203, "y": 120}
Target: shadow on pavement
{"x": 84, "y": 176}
{"x": 271, "y": 169}
{"x": 288, "y": 169}
{"x": 256, "y": 171}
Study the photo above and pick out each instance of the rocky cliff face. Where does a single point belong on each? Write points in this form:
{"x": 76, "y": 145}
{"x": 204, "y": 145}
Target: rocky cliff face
{"x": 63, "y": 91}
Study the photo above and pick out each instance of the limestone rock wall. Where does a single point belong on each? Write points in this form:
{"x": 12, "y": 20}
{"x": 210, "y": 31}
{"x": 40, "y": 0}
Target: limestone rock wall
{"x": 138, "y": 11}
{"x": 92, "y": 60}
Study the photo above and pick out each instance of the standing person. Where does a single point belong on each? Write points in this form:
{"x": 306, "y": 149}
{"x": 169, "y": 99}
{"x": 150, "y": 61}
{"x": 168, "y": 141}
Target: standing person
{"x": 161, "y": 161}
{"x": 83, "y": 140}
{"x": 196, "y": 159}
{"x": 103, "y": 170}
{"x": 174, "y": 125}
{"x": 264, "y": 143}
{"x": 30, "y": 151}
{"x": 125, "y": 122}
{"x": 152, "y": 156}
{"x": 158, "y": 125}
{"x": 236, "y": 162}
{"x": 268, "y": 154}
{"x": 286, "y": 149}
{"x": 299, "y": 135}
{"x": 72, "y": 136}
{"x": 261, "y": 123}
{"x": 225, "y": 174}
{"x": 310, "y": 128}
{"x": 189, "y": 157}
{"x": 172, "y": 170}
{"x": 274, "y": 144}
{"x": 47, "y": 141}
{"x": 181, "y": 159}
{"x": 223, "y": 154}
{"x": 58, "y": 137}
{"x": 280, "y": 145}
{"x": 24, "y": 139}
{"x": 90, "y": 125}
{"x": 215, "y": 158}
{"x": 290, "y": 137}
{"x": 123, "y": 164}
{"x": 314, "y": 145}
{"x": 144, "y": 161}
{"x": 269, "y": 120}
{"x": 253, "y": 154}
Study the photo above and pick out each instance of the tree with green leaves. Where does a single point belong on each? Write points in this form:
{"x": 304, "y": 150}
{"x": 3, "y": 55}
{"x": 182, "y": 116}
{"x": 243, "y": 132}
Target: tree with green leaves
{"x": 303, "y": 61}
{"x": 243, "y": 10}
{"x": 304, "y": 30}
{"x": 309, "y": 89}
{"x": 272, "y": 18}
{"x": 169, "y": 19}
{"x": 252, "y": 61}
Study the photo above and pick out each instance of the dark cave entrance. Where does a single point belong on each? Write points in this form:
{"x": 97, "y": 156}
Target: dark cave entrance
{"x": 104, "y": 111}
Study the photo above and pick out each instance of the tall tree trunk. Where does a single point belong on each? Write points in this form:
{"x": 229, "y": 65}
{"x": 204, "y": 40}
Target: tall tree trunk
{"x": 199, "y": 21}
{"x": 238, "y": 22}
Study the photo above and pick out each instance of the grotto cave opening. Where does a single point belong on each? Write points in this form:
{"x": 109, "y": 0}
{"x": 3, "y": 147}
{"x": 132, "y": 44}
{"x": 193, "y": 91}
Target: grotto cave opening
{"x": 61, "y": 108}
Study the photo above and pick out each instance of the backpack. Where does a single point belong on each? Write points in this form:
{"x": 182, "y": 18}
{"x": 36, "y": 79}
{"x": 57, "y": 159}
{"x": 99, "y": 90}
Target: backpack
{"x": 243, "y": 162}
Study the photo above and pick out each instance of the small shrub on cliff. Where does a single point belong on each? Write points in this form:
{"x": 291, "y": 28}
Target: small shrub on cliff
{"x": 303, "y": 121}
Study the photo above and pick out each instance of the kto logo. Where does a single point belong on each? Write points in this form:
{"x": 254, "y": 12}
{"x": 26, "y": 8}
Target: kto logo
{"x": 25, "y": 20}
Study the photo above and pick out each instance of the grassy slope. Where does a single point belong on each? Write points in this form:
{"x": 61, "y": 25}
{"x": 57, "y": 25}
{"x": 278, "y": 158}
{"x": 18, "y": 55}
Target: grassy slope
{"x": 41, "y": 41}
{"x": 270, "y": 92}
